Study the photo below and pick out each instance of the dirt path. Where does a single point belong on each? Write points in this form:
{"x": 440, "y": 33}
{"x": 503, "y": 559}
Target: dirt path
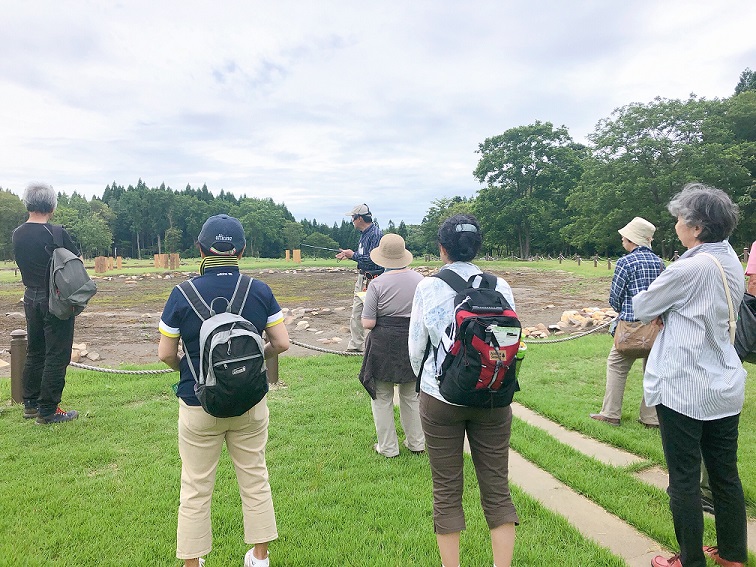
{"x": 121, "y": 321}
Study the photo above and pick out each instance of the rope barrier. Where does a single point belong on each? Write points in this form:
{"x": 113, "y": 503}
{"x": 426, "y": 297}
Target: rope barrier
{"x": 117, "y": 371}
{"x": 570, "y": 338}
{"x": 328, "y": 351}
{"x": 530, "y": 342}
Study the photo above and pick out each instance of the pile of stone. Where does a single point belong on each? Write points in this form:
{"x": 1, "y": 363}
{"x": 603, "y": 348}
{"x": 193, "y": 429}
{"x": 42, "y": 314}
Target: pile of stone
{"x": 79, "y": 351}
{"x": 572, "y": 321}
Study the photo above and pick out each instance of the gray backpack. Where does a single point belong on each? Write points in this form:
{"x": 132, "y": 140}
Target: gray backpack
{"x": 232, "y": 373}
{"x": 70, "y": 287}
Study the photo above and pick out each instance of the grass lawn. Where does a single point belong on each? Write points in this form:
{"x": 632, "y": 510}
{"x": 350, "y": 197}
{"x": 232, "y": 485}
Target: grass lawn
{"x": 104, "y": 490}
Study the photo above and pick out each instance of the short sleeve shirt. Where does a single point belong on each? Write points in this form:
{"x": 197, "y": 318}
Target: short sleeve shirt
{"x": 32, "y": 247}
{"x": 179, "y": 319}
{"x": 390, "y": 295}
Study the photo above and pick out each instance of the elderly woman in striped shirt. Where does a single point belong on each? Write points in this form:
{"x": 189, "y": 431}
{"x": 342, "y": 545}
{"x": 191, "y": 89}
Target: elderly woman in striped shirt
{"x": 694, "y": 376}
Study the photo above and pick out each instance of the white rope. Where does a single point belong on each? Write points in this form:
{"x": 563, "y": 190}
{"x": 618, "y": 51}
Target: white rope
{"x": 320, "y": 349}
{"x": 117, "y": 371}
{"x": 571, "y": 337}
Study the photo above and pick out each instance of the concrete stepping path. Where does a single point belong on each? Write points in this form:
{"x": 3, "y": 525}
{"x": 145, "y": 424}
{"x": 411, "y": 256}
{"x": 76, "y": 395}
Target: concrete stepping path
{"x": 607, "y": 454}
{"x": 586, "y": 445}
{"x": 588, "y": 518}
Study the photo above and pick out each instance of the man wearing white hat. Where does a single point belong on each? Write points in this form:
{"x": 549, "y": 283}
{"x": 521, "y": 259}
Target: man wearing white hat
{"x": 633, "y": 273}
{"x": 370, "y": 237}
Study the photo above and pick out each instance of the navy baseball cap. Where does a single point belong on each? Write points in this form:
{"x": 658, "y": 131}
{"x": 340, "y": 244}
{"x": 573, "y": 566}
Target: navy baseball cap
{"x": 222, "y": 235}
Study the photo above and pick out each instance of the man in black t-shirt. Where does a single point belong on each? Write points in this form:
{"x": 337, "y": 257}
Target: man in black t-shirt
{"x": 49, "y": 338}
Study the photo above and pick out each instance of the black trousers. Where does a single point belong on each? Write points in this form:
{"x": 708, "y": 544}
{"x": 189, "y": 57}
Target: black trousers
{"x": 48, "y": 353}
{"x": 685, "y": 440}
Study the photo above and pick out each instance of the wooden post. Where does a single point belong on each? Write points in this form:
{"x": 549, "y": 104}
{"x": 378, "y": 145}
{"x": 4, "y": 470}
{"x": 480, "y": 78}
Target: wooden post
{"x": 18, "y": 361}
{"x": 578, "y": 260}
{"x": 110, "y": 263}
{"x": 298, "y": 256}
{"x": 595, "y": 261}
{"x": 174, "y": 261}
{"x": 119, "y": 262}
{"x": 288, "y": 255}
{"x": 608, "y": 263}
{"x": 101, "y": 264}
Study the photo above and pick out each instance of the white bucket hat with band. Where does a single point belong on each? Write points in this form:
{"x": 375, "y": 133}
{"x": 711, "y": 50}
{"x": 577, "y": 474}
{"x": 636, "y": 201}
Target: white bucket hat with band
{"x": 639, "y": 231}
{"x": 391, "y": 253}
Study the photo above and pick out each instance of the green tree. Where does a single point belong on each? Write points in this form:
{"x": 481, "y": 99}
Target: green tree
{"x": 293, "y": 233}
{"x": 642, "y": 156}
{"x": 173, "y": 237}
{"x": 320, "y": 240}
{"x": 425, "y": 241}
{"x": 528, "y": 172}
{"x": 12, "y": 214}
{"x": 264, "y": 222}
{"x": 402, "y": 230}
{"x": 747, "y": 81}
{"x": 93, "y": 234}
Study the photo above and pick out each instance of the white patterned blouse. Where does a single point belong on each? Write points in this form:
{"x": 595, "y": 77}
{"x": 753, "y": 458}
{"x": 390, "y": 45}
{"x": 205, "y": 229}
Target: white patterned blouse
{"x": 432, "y": 312}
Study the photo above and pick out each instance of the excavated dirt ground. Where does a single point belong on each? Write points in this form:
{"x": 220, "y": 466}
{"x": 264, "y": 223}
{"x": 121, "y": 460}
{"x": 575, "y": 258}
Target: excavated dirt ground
{"x": 121, "y": 322}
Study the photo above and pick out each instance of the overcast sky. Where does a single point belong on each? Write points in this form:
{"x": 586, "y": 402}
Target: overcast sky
{"x": 323, "y": 105}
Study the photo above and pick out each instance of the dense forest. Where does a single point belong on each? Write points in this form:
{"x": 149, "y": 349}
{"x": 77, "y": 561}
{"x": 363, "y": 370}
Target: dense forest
{"x": 542, "y": 193}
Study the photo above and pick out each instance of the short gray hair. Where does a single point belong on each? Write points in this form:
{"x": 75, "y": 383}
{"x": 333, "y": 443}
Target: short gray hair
{"x": 40, "y": 198}
{"x": 707, "y": 207}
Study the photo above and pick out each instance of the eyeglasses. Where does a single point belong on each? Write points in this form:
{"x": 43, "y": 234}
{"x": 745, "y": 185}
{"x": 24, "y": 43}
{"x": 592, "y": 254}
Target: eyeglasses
{"x": 355, "y": 217}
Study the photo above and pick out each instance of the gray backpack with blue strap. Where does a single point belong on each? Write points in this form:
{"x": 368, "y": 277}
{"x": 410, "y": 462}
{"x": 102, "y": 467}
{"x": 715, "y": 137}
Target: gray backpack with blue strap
{"x": 232, "y": 373}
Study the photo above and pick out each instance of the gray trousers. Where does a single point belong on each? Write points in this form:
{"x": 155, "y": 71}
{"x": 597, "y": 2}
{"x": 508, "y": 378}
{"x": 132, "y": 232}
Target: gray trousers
{"x": 617, "y": 368}
{"x": 409, "y": 415}
{"x": 357, "y": 331}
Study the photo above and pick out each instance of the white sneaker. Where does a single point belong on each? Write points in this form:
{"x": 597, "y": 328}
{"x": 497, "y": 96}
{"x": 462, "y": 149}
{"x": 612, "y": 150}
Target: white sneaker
{"x": 202, "y": 561}
{"x": 252, "y": 561}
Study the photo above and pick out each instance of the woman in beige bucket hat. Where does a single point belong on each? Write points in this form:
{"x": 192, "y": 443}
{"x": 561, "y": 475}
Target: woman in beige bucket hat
{"x": 633, "y": 273}
{"x": 387, "y": 309}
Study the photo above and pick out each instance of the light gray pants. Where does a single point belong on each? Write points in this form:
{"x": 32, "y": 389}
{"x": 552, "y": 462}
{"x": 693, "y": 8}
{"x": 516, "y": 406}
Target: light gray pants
{"x": 357, "y": 331}
{"x": 617, "y": 368}
{"x": 409, "y": 415}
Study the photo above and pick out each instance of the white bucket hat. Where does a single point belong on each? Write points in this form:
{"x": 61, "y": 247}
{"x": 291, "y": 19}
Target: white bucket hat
{"x": 639, "y": 231}
{"x": 391, "y": 252}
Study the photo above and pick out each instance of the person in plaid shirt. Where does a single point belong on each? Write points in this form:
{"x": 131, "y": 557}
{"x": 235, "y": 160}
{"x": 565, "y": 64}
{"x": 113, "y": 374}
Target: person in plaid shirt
{"x": 633, "y": 273}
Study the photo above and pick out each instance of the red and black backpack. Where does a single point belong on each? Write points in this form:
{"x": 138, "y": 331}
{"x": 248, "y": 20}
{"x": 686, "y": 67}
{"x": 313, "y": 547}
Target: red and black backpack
{"x": 480, "y": 367}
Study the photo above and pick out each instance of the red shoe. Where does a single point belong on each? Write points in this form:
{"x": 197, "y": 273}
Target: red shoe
{"x": 660, "y": 561}
{"x": 713, "y": 552}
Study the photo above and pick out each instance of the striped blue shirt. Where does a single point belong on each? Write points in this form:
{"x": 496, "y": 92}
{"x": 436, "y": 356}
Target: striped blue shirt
{"x": 369, "y": 239}
{"x": 633, "y": 274}
{"x": 693, "y": 368}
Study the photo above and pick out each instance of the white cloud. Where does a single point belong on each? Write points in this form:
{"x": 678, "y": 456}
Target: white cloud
{"x": 325, "y": 105}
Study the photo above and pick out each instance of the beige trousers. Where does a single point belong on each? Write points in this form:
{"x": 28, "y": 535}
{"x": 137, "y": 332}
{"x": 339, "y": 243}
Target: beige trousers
{"x": 357, "y": 331}
{"x": 409, "y": 415}
{"x": 617, "y": 368}
{"x": 200, "y": 439}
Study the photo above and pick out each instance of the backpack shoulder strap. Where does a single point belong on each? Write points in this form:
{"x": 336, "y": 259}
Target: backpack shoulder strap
{"x": 487, "y": 280}
{"x": 57, "y": 233}
{"x": 189, "y": 291}
{"x": 453, "y": 279}
{"x": 239, "y": 298}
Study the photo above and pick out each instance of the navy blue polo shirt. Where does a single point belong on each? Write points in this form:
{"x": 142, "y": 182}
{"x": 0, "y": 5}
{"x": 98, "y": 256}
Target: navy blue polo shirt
{"x": 179, "y": 319}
